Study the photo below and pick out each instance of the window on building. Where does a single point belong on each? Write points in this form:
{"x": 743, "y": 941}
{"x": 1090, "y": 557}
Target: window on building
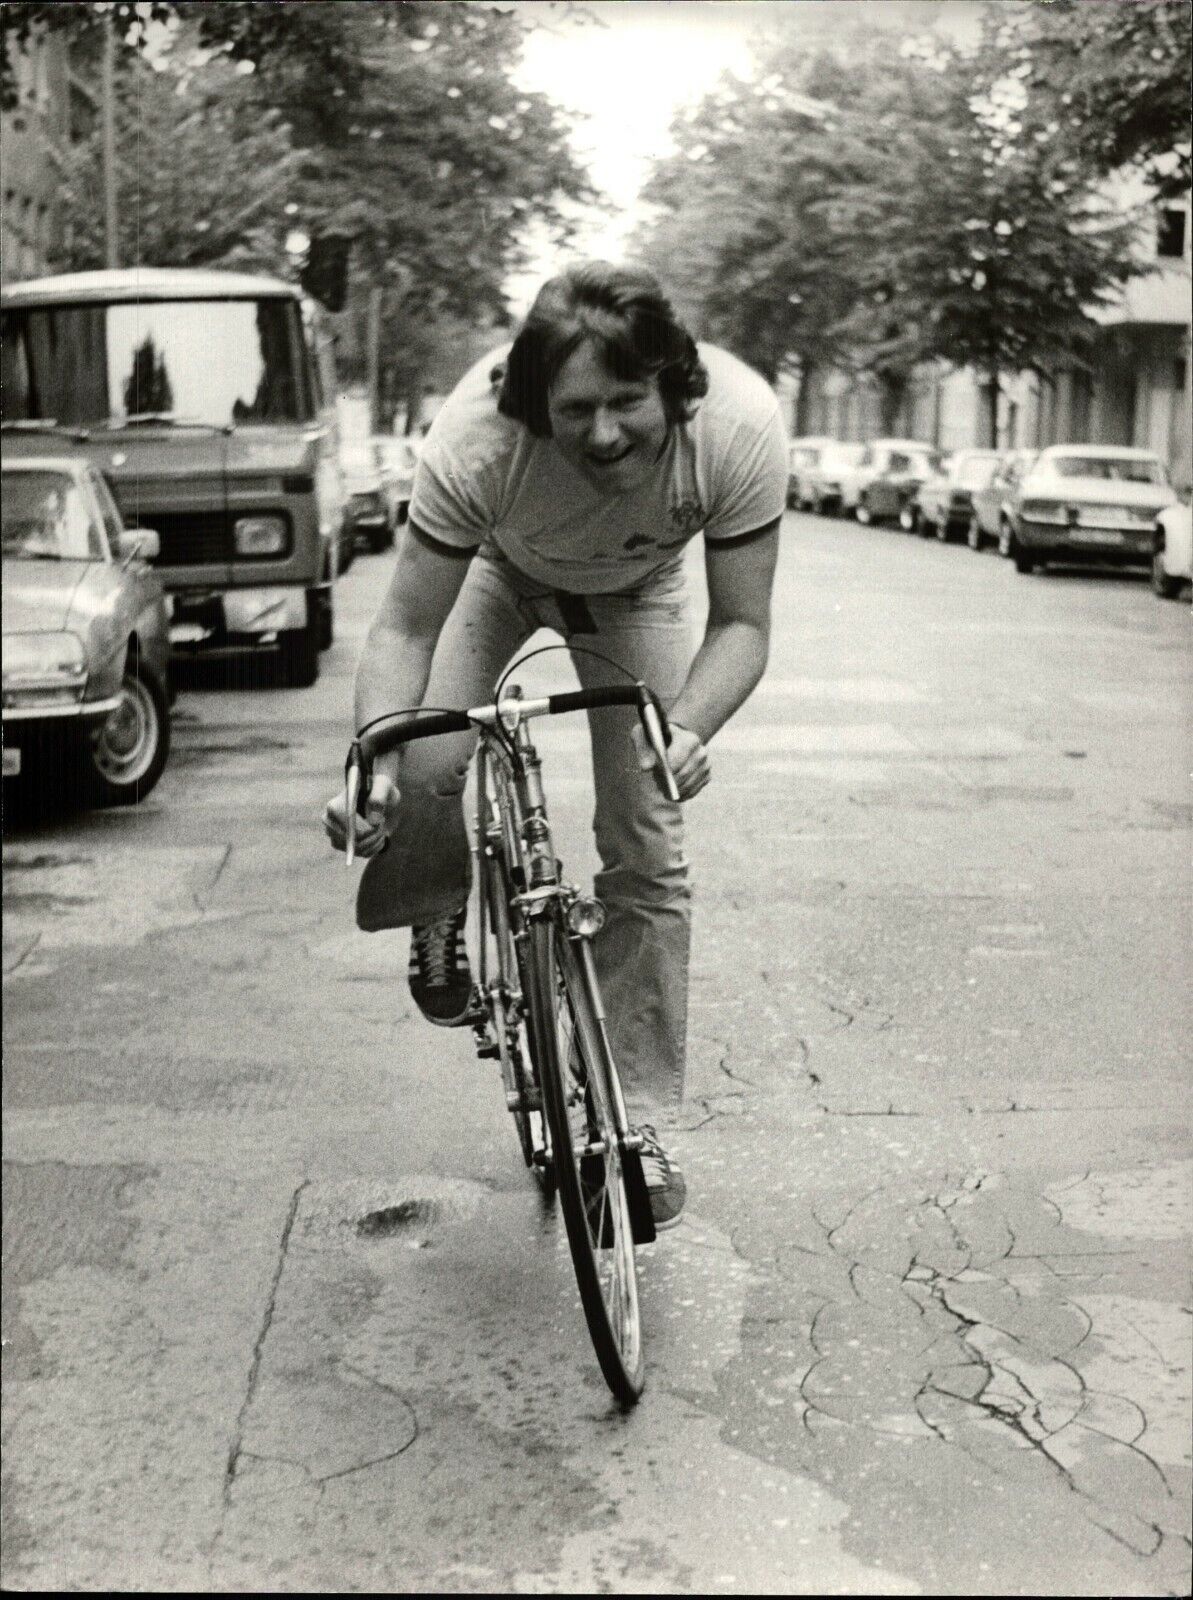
{"x": 1170, "y": 237}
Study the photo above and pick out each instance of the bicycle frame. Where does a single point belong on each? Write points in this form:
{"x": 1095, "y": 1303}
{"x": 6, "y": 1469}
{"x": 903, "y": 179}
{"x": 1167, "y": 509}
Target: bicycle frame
{"x": 512, "y": 817}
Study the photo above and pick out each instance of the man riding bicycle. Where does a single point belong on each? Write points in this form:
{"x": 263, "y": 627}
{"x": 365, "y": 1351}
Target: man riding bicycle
{"x": 558, "y": 487}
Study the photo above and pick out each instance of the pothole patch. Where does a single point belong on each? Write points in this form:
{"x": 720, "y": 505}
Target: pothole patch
{"x": 401, "y": 1219}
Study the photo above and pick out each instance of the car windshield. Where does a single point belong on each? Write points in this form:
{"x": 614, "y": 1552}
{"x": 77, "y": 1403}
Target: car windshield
{"x": 45, "y": 517}
{"x": 180, "y": 363}
{"x": 1114, "y": 469}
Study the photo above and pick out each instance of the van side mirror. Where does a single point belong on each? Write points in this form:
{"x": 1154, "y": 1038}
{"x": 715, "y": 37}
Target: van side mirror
{"x": 143, "y": 544}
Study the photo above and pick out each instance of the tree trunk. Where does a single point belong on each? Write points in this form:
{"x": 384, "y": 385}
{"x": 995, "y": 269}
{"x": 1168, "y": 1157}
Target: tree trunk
{"x": 893, "y": 389}
{"x": 990, "y": 407}
{"x": 803, "y": 400}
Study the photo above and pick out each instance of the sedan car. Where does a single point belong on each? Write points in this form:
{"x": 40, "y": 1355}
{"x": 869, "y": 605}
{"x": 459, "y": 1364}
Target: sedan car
{"x": 943, "y": 503}
{"x": 398, "y": 457}
{"x": 1085, "y": 503}
{"x": 368, "y": 513}
{"x": 822, "y": 481}
{"x": 802, "y": 456}
{"x": 1172, "y": 552}
{"x": 86, "y": 633}
{"x": 990, "y": 502}
{"x": 887, "y": 476}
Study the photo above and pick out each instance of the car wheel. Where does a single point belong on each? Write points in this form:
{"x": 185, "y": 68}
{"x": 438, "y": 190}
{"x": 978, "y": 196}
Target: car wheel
{"x": 973, "y": 534}
{"x": 909, "y": 519}
{"x": 862, "y": 512}
{"x": 298, "y": 652}
{"x": 126, "y": 754}
{"x": 1163, "y": 584}
{"x": 926, "y": 527}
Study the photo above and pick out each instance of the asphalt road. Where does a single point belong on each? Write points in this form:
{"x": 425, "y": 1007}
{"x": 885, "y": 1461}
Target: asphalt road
{"x": 282, "y": 1309}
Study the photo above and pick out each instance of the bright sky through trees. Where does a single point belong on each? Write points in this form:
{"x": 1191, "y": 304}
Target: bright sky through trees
{"x": 627, "y": 73}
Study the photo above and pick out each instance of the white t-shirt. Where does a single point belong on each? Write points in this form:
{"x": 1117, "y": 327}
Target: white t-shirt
{"x": 483, "y": 476}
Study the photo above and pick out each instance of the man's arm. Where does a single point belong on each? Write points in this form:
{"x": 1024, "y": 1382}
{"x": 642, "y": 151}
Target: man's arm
{"x": 732, "y": 657}
{"x": 396, "y": 661}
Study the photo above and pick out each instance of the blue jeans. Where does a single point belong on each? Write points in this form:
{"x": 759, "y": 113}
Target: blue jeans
{"x": 642, "y": 952}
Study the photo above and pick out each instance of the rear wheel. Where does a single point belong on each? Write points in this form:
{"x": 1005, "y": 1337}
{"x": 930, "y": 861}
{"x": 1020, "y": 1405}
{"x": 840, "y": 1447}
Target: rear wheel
{"x": 566, "y": 1041}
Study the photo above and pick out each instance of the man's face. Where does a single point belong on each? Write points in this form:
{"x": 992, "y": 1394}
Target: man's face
{"x": 610, "y": 430}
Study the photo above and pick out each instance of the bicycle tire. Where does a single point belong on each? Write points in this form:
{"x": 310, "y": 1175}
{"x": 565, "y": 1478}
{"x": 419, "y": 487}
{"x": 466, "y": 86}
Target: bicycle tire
{"x": 564, "y": 1037}
{"x": 510, "y": 1032}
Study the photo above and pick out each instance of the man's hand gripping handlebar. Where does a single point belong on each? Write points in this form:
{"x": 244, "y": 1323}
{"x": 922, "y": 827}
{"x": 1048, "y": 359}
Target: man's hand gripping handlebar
{"x": 372, "y": 800}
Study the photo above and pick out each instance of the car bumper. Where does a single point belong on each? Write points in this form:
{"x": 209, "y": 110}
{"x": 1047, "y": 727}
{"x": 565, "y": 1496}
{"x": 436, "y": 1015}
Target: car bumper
{"x": 210, "y": 618}
{"x": 1119, "y": 547}
{"x": 29, "y": 708}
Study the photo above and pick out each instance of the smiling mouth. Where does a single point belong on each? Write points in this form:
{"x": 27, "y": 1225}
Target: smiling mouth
{"x": 610, "y": 461}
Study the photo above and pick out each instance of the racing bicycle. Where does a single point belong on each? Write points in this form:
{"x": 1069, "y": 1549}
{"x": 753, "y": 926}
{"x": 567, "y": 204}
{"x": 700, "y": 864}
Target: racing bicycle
{"x": 537, "y": 1006}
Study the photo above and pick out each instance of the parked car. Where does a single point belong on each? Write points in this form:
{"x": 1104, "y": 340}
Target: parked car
{"x": 802, "y": 455}
{"x": 368, "y": 512}
{"x": 887, "y": 476}
{"x": 1172, "y": 550}
{"x": 398, "y": 456}
{"x": 86, "y": 633}
{"x": 991, "y": 500}
{"x": 1086, "y": 503}
{"x": 821, "y": 481}
{"x": 943, "y": 503}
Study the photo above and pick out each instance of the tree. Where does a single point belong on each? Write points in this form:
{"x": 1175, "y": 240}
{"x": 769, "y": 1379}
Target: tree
{"x": 397, "y": 127}
{"x": 205, "y": 175}
{"x": 878, "y": 207}
{"x": 1108, "y": 81}
{"x": 995, "y": 249}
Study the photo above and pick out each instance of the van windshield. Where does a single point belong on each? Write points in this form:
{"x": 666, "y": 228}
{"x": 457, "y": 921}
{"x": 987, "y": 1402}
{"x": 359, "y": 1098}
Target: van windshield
{"x": 212, "y": 361}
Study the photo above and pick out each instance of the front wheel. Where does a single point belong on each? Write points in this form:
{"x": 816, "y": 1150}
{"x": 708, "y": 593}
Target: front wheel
{"x": 126, "y": 754}
{"x": 569, "y": 1047}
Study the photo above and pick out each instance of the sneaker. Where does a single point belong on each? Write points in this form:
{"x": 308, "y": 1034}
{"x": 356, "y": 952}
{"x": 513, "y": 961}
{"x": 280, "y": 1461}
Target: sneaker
{"x": 440, "y": 977}
{"x": 664, "y": 1180}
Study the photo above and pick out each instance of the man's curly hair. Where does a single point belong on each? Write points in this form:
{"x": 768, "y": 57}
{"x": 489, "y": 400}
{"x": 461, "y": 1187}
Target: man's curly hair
{"x": 624, "y": 312}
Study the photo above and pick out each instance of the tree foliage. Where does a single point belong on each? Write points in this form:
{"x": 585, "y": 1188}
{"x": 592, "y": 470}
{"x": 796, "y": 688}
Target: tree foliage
{"x": 874, "y": 204}
{"x": 1110, "y": 81}
{"x": 204, "y": 175}
{"x": 395, "y": 126}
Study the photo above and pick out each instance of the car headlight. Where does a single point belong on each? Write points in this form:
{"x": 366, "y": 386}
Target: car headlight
{"x": 47, "y": 659}
{"x": 1043, "y": 511}
{"x": 259, "y": 536}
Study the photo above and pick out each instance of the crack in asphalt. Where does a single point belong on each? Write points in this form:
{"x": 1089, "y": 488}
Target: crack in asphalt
{"x": 1036, "y": 1393}
{"x": 201, "y": 905}
{"x": 236, "y": 1447}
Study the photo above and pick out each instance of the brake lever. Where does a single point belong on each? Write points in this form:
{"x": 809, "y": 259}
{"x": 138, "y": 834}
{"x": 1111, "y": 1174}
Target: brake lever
{"x": 652, "y": 725}
{"x": 356, "y": 797}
